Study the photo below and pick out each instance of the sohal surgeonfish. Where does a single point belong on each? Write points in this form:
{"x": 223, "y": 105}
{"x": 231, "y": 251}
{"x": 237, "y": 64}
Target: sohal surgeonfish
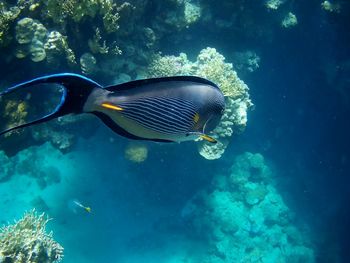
{"x": 169, "y": 109}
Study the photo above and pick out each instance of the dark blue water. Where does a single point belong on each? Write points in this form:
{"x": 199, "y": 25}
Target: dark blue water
{"x": 174, "y": 206}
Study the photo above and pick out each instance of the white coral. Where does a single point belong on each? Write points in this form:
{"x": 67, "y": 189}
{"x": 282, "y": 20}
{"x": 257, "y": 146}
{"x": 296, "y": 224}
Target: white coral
{"x": 27, "y": 241}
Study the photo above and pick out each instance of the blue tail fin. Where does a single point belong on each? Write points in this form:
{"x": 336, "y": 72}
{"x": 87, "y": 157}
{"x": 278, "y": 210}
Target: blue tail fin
{"x": 76, "y": 89}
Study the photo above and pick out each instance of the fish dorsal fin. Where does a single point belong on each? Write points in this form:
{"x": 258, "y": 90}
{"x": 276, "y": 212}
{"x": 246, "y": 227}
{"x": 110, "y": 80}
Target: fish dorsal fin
{"x": 142, "y": 82}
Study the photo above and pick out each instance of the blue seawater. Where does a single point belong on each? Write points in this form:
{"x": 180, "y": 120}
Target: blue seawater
{"x": 279, "y": 193}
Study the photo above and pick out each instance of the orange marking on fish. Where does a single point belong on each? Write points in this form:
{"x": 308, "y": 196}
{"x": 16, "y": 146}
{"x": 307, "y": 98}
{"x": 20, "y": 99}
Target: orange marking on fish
{"x": 111, "y": 106}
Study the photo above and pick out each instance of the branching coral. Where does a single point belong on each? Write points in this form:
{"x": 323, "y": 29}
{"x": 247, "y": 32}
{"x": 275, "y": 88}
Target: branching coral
{"x": 110, "y": 15}
{"x": 99, "y": 46}
{"x": 60, "y": 11}
{"x": 27, "y": 241}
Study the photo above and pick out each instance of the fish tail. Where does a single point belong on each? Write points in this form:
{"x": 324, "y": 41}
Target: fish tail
{"x": 76, "y": 89}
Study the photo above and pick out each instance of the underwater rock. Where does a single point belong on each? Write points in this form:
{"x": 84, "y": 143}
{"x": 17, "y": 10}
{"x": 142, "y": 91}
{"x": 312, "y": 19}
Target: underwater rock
{"x": 6, "y": 168}
{"x": 60, "y": 139}
{"x": 248, "y": 222}
{"x": 255, "y": 193}
{"x": 27, "y": 241}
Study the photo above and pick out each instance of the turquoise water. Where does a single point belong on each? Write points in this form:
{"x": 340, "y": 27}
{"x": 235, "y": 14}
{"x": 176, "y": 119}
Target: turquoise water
{"x": 274, "y": 189}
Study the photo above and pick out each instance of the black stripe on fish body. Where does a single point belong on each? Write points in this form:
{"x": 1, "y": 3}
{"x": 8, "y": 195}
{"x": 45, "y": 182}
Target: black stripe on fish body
{"x": 154, "y": 118}
{"x": 169, "y": 119}
{"x": 167, "y": 102}
{"x": 150, "y": 124}
{"x": 171, "y": 116}
{"x": 119, "y": 130}
{"x": 163, "y": 115}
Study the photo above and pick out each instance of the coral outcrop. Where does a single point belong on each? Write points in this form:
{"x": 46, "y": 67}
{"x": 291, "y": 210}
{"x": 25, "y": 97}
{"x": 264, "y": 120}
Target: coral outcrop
{"x": 246, "y": 62}
{"x": 136, "y": 152}
{"x": 27, "y": 241}
{"x": 211, "y": 64}
{"x": 331, "y": 6}
{"x": 245, "y": 219}
{"x": 290, "y": 20}
{"x": 274, "y": 4}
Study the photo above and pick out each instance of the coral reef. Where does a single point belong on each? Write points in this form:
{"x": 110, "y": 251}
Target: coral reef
{"x": 290, "y": 20}
{"x": 15, "y": 112}
{"x": 246, "y": 62}
{"x": 333, "y": 7}
{"x": 34, "y": 39}
{"x": 179, "y": 15}
{"x": 274, "y": 4}
{"x": 29, "y": 163}
{"x": 7, "y": 17}
{"x": 136, "y": 152}
{"x": 27, "y": 241}
{"x": 245, "y": 219}
{"x": 211, "y": 64}
{"x": 88, "y": 63}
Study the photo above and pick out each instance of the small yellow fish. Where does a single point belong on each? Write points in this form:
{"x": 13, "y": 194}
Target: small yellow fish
{"x": 73, "y": 204}
{"x": 86, "y": 208}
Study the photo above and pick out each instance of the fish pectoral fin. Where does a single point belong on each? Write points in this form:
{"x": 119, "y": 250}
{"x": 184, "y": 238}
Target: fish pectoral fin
{"x": 111, "y": 106}
{"x": 208, "y": 138}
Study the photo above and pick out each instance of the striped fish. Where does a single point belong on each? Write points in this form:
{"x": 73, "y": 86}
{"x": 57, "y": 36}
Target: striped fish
{"x": 170, "y": 109}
